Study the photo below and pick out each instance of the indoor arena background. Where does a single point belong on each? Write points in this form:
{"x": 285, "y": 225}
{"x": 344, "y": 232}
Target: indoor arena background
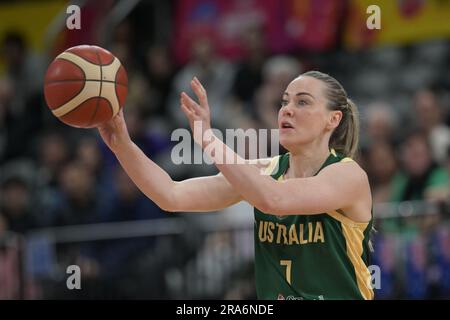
{"x": 65, "y": 201}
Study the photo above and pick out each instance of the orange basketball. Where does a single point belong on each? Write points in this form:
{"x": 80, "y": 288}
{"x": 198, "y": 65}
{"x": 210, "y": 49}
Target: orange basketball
{"x": 85, "y": 86}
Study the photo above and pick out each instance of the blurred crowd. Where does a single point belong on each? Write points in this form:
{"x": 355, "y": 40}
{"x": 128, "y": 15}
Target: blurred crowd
{"x": 60, "y": 170}
{"x": 54, "y": 175}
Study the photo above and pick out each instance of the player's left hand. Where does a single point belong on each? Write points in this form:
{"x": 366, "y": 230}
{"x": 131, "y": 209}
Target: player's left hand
{"x": 197, "y": 113}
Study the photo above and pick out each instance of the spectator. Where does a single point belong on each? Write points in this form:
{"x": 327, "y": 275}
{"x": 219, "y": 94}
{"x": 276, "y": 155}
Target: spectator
{"x": 3, "y": 224}
{"x": 448, "y": 169}
{"x": 430, "y": 118}
{"x": 160, "y": 72}
{"x": 249, "y": 77}
{"x": 52, "y": 153}
{"x": 5, "y": 98}
{"x": 80, "y": 201}
{"x": 216, "y": 75}
{"x": 249, "y": 72}
{"x": 89, "y": 155}
{"x": 278, "y": 71}
{"x": 420, "y": 178}
{"x": 448, "y": 161}
{"x": 381, "y": 122}
{"x": 22, "y": 68}
{"x": 128, "y": 203}
{"x": 16, "y": 205}
{"x": 382, "y": 167}
{"x": 9, "y": 262}
{"x": 20, "y": 92}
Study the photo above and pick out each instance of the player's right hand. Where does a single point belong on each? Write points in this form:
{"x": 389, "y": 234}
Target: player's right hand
{"x": 115, "y": 133}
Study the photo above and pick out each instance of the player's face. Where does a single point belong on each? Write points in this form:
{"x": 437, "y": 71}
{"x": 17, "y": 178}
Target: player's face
{"x": 303, "y": 117}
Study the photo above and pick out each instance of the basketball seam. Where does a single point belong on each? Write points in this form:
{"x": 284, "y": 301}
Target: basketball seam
{"x": 107, "y": 63}
{"x": 74, "y": 65}
{"x": 84, "y": 84}
{"x": 78, "y": 57}
{"x": 100, "y": 91}
{"x": 98, "y": 57}
{"x": 115, "y": 87}
{"x": 74, "y": 109}
{"x": 87, "y": 80}
{"x": 96, "y": 53}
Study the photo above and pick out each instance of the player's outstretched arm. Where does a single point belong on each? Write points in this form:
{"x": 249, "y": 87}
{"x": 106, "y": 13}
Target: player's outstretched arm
{"x": 198, "y": 194}
{"x": 322, "y": 193}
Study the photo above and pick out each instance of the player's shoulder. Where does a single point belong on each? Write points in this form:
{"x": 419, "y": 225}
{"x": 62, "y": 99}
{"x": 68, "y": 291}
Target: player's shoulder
{"x": 347, "y": 169}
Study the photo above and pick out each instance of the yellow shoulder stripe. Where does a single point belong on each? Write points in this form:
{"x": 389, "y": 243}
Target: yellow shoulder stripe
{"x": 346, "y": 159}
{"x": 273, "y": 164}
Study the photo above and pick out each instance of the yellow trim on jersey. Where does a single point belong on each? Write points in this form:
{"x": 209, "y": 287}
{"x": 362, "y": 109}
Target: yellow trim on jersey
{"x": 354, "y": 237}
{"x": 273, "y": 164}
{"x": 346, "y": 159}
{"x": 347, "y": 221}
{"x": 353, "y": 233}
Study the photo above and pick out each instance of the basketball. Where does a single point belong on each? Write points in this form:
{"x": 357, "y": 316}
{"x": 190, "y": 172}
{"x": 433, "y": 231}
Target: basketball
{"x": 85, "y": 86}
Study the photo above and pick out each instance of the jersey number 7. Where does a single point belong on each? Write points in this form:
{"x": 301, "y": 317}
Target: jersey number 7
{"x": 288, "y": 265}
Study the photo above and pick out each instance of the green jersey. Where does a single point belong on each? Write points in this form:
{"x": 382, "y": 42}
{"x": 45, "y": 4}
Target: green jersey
{"x": 318, "y": 256}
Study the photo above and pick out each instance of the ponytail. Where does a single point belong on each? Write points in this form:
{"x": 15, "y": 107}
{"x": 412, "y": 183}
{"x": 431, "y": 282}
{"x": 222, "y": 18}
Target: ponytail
{"x": 345, "y": 137}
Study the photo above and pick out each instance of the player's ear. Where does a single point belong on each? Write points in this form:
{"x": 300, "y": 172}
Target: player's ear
{"x": 334, "y": 118}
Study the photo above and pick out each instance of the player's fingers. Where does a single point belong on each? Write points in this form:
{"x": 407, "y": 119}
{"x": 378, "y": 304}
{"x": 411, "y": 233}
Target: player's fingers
{"x": 185, "y": 99}
{"x": 189, "y": 114}
{"x": 184, "y": 102}
{"x": 200, "y": 92}
{"x": 119, "y": 116}
{"x": 199, "y": 84}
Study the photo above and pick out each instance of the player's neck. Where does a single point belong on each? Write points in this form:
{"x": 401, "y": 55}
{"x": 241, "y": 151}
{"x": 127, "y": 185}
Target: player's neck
{"x": 306, "y": 161}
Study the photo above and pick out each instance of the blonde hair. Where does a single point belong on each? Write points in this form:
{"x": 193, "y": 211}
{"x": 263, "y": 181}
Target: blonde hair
{"x": 345, "y": 137}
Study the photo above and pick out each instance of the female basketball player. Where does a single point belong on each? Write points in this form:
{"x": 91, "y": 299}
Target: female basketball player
{"x": 313, "y": 210}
